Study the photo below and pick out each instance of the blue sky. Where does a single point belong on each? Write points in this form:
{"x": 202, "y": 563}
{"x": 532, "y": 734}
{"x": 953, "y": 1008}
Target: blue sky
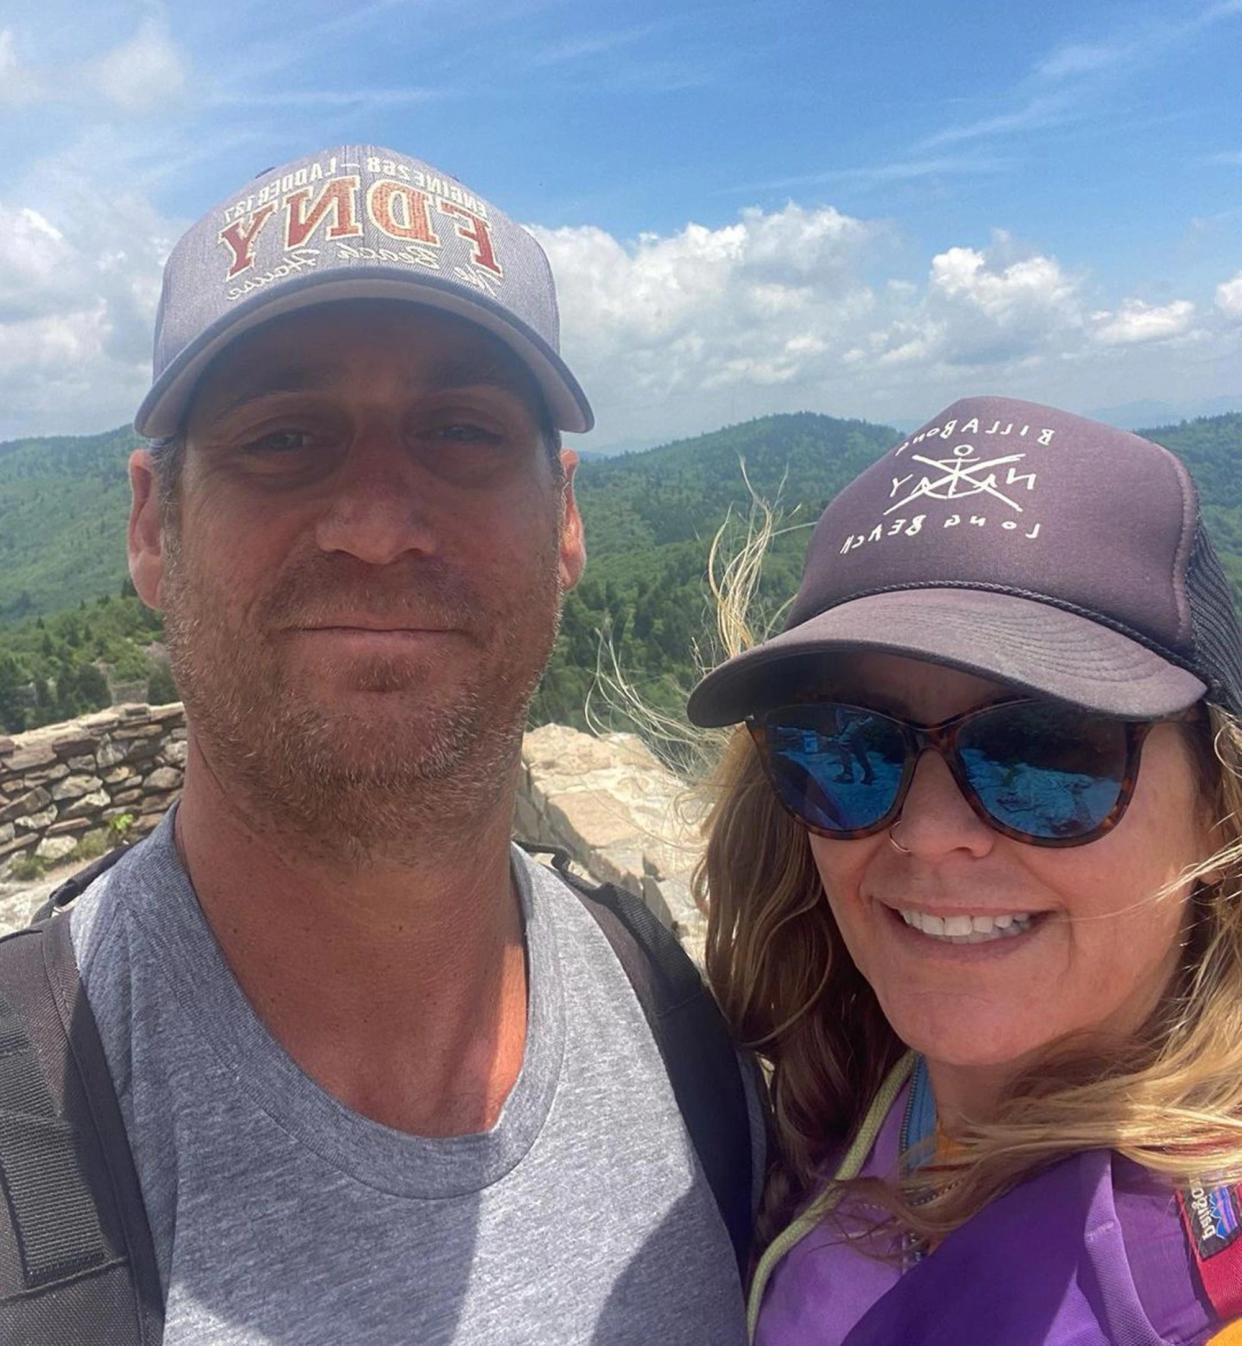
{"x": 750, "y": 205}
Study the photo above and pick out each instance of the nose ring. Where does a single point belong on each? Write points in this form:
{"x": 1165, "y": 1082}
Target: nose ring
{"x": 894, "y": 843}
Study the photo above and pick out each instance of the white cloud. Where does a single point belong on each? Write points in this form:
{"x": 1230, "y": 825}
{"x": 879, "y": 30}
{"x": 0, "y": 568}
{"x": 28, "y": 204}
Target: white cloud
{"x": 761, "y": 301}
{"x": 18, "y": 85}
{"x": 783, "y": 311}
{"x": 984, "y": 308}
{"x": 144, "y": 73}
{"x": 1229, "y": 296}
{"x": 777, "y": 311}
{"x": 78, "y": 291}
{"x": 37, "y": 266}
{"x": 1137, "y": 322}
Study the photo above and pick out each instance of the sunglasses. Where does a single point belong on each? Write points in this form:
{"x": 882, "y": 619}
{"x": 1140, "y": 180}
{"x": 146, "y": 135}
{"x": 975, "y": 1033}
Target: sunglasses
{"x": 1037, "y": 771}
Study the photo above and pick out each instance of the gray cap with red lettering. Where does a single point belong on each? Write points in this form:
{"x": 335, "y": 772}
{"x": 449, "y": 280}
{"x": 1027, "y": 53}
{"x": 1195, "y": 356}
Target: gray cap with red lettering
{"x": 1024, "y": 544}
{"x": 355, "y": 222}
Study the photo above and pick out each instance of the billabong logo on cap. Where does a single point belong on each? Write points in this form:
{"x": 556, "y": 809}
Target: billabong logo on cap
{"x": 965, "y": 472}
{"x": 962, "y": 475}
{"x": 399, "y": 205}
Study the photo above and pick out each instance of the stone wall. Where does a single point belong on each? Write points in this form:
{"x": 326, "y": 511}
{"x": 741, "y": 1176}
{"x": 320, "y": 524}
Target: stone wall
{"x": 607, "y": 801}
{"x": 623, "y": 817}
{"x": 102, "y": 776}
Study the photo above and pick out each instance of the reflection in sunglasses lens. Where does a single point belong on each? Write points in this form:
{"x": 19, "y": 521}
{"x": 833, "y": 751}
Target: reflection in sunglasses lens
{"x": 838, "y": 768}
{"x": 1046, "y": 771}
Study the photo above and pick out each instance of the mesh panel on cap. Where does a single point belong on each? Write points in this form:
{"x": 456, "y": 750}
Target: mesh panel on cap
{"x": 1214, "y": 624}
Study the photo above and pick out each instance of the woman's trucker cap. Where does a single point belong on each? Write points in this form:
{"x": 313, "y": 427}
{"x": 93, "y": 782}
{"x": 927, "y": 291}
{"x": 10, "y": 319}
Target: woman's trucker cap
{"x": 1021, "y": 543}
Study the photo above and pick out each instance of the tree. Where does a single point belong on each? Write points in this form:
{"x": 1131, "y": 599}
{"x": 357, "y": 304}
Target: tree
{"x": 12, "y": 683}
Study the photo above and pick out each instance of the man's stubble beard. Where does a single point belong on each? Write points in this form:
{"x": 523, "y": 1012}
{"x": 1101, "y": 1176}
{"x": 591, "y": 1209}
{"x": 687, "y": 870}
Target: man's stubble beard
{"x": 350, "y": 787}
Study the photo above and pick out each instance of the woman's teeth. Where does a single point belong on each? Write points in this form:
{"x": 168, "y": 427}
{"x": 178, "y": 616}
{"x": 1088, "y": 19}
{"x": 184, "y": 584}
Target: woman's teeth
{"x": 968, "y": 929}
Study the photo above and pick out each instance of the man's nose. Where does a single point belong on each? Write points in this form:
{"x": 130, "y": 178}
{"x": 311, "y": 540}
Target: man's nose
{"x": 381, "y": 504}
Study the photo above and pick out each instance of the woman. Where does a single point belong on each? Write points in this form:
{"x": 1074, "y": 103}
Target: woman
{"x": 974, "y": 874}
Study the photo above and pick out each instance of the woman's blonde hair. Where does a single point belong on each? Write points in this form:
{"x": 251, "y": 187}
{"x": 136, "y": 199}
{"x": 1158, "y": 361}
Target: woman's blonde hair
{"x": 1171, "y": 1099}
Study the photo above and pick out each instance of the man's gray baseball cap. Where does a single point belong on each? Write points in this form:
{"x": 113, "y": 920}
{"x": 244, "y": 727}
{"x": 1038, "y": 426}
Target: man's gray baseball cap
{"x": 354, "y": 222}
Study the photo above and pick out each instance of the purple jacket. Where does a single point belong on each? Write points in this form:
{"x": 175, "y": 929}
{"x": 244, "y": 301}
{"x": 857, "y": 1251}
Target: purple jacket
{"x": 1090, "y": 1252}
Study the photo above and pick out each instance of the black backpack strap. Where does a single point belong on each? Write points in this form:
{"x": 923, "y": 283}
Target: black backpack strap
{"x": 702, "y": 1063}
{"x": 77, "y": 1265}
{"x": 76, "y": 884}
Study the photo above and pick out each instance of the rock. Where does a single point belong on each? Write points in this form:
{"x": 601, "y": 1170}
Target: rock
{"x": 619, "y": 865}
{"x": 73, "y": 745}
{"x": 162, "y": 779}
{"x": 568, "y": 752}
{"x": 113, "y": 753}
{"x": 45, "y": 775}
{"x": 157, "y": 804}
{"x": 36, "y": 822}
{"x": 22, "y": 842}
{"x": 528, "y": 823}
{"x": 118, "y": 775}
{"x": 136, "y": 731}
{"x": 173, "y": 713}
{"x": 175, "y": 753}
{"x": 30, "y": 802}
{"x": 74, "y": 787}
{"x": 126, "y": 797}
{"x": 55, "y": 848}
{"x": 70, "y": 827}
{"x": 6, "y": 745}
{"x": 6, "y": 832}
{"x": 98, "y": 723}
{"x": 86, "y": 763}
{"x": 677, "y": 900}
{"x": 178, "y": 735}
{"x": 24, "y": 759}
{"x": 88, "y": 806}
{"x": 108, "y": 754}
{"x": 593, "y": 818}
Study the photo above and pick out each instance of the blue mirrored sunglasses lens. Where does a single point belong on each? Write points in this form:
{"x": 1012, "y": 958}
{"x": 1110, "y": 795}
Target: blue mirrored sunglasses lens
{"x": 1047, "y": 771}
{"x": 837, "y": 768}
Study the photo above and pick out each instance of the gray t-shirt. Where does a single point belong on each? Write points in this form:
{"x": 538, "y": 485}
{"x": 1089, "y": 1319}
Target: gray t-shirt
{"x": 280, "y": 1216}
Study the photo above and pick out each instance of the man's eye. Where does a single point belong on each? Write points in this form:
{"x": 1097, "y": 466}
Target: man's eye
{"x": 464, "y": 432}
{"x": 278, "y": 442}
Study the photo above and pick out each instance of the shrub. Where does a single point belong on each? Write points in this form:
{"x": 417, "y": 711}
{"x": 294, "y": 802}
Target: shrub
{"x": 28, "y": 868}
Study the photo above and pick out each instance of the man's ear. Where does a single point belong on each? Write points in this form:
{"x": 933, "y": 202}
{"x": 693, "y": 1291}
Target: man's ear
{"x": 145, "y": 538}
{"x": 573, "y": 543}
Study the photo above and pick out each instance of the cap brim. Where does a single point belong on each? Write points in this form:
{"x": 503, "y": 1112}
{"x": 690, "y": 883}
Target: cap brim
{"x": 1021, "y": 642}
{"x": 164, "y": 407}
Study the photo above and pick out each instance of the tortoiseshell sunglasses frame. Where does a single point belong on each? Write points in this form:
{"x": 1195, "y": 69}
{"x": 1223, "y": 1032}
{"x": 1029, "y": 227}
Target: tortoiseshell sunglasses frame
{"x": 942, "y": 739}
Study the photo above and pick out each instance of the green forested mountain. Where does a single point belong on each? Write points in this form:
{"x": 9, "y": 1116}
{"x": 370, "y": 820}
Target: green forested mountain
{"x": 649, "y": 516}
{"x": 63, "y": 504}
{"x": 1211, "y": 448}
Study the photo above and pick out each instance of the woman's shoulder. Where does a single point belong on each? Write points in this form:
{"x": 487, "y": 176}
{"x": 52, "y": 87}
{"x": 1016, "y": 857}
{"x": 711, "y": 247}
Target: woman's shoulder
{"x": 1091, "y": 1249}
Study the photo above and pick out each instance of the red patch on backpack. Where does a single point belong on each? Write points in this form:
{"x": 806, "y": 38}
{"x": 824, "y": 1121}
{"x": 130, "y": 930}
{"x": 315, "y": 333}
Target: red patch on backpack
{"x": 1213, "y": 1220}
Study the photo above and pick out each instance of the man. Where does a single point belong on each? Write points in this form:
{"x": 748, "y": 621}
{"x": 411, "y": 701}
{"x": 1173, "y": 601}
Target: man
{"x": 383, "y": 1078}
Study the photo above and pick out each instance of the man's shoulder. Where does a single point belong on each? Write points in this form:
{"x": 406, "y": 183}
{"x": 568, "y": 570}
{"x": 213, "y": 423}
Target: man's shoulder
{"x": 717, "y": 1089}
{"x": 613, "y": 934}
{"x": 122, "y": 893}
